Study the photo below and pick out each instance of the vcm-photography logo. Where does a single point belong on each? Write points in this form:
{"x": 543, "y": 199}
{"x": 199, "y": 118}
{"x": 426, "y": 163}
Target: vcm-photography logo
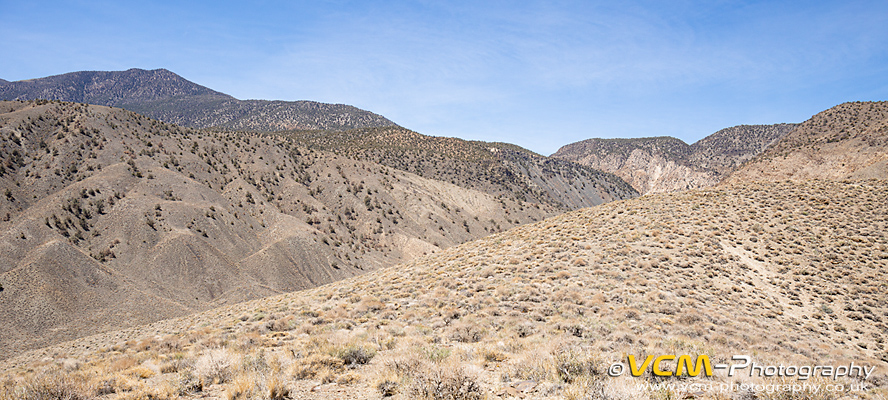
{"x": 686, "y": 365}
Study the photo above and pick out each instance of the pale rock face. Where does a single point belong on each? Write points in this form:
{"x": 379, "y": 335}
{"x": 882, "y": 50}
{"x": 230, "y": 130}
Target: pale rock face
{"x": 649, "y": 173}
{"x": 666, "y": 164}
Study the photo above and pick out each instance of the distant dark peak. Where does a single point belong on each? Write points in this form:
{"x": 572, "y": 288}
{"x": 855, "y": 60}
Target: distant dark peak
{"x": 3, "y": 81}
{"x": 109, "y": 88}
{"x": 149, "y": 70}
{"x": 162, "y": 94}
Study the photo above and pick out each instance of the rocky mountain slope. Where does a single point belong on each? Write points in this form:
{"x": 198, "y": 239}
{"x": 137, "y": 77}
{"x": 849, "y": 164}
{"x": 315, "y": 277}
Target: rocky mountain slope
{"x": 494, "y": 168}
{"x": 787, "y": 273}
{"x": 109, "y": 219}
{"x": 163, "y": 95}
{"x": 849, "y": 141}
{"x": 665, "y": 164}
{"x": 500, "y": 169}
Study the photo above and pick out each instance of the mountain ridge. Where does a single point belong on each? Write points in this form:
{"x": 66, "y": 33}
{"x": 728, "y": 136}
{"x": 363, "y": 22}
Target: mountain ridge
{"x": 495, "y": 168}
{"x": 189, "y": 219}
{"x": 164, "y": 95}
{"x": 848, "y": 141}
{"x": 665, "y": 164}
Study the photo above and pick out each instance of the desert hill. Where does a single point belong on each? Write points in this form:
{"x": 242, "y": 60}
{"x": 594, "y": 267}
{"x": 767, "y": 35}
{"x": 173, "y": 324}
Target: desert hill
{"x": 499, "y": 169}
{"x": 790, "y": 273}
{"x": 163, "y": 95}
{"x": 849, "y": 141}
{"x": 665, "y": 164}
{"x": 109, "y": 219}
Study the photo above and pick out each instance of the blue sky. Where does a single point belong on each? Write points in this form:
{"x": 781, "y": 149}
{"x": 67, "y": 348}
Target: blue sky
{"x": 538, "y": 74}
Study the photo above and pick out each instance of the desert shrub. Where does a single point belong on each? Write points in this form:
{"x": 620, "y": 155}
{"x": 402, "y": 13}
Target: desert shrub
{"x": 310, "y": 366}
{"x": 354, "y": 354}
{"x": 525, "y": 330}
{"x": 265, "y": 383}
{"x": 178, "y": 363}
{"x": 7, "y": 390}
{"x": 535, "y": 366}
{"x": 573, "y": 329}
{"x": 254, "y": 362}
{"x": 243, "y": 387}
{"x": 434, "y": 353}
{"x": 140, "y": 372}
{"x": 689, "y": 318}
{"x": 189, "y": 383}
{"x": 276, "y": 388}
{"x": 287, "y": 323}
{"x": 387, "y": 387}
{"x": 443, "y": 382}
{"x": 123, "y": 363}
{"x": 55, "y": 385}
{"x": 171, "y": 344}
{"x": 492, "y": 354}
{"x": 402, "y": 365}
{"x": 573, "y": 361}
{"x": 215, "y": 366}
{"x": 162, "y": 391}
{"x": 348, "y": 378}
{"x": 467, "y": 333}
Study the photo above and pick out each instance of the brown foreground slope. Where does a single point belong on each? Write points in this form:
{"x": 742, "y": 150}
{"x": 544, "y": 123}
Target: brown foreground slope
{"x": 849, "y": 141}
{"x": 109, "y": 219}
{"x": 787, "y": 273}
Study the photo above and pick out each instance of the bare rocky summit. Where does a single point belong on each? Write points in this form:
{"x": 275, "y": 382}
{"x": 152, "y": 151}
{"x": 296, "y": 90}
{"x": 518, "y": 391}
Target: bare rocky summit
{"x": 666, "y": 164}
{"x": 163, "y": 95}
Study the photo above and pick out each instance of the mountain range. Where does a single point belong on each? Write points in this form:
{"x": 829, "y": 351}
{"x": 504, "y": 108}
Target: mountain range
{"x": 163, "y": 95}
{"x": 111, "y": 219}
{"x": 364, "y": 261}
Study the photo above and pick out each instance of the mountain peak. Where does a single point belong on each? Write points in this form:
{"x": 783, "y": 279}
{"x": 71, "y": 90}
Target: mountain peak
{"x": 108, "y": 88}
{"x": 162, "y": 94}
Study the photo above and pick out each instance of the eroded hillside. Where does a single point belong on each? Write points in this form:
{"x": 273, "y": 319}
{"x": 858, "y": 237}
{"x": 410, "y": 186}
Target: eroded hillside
{"x": 788, "y": 273}
{"x": 111, "y": 219}
{"x": 500, "y": 169}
